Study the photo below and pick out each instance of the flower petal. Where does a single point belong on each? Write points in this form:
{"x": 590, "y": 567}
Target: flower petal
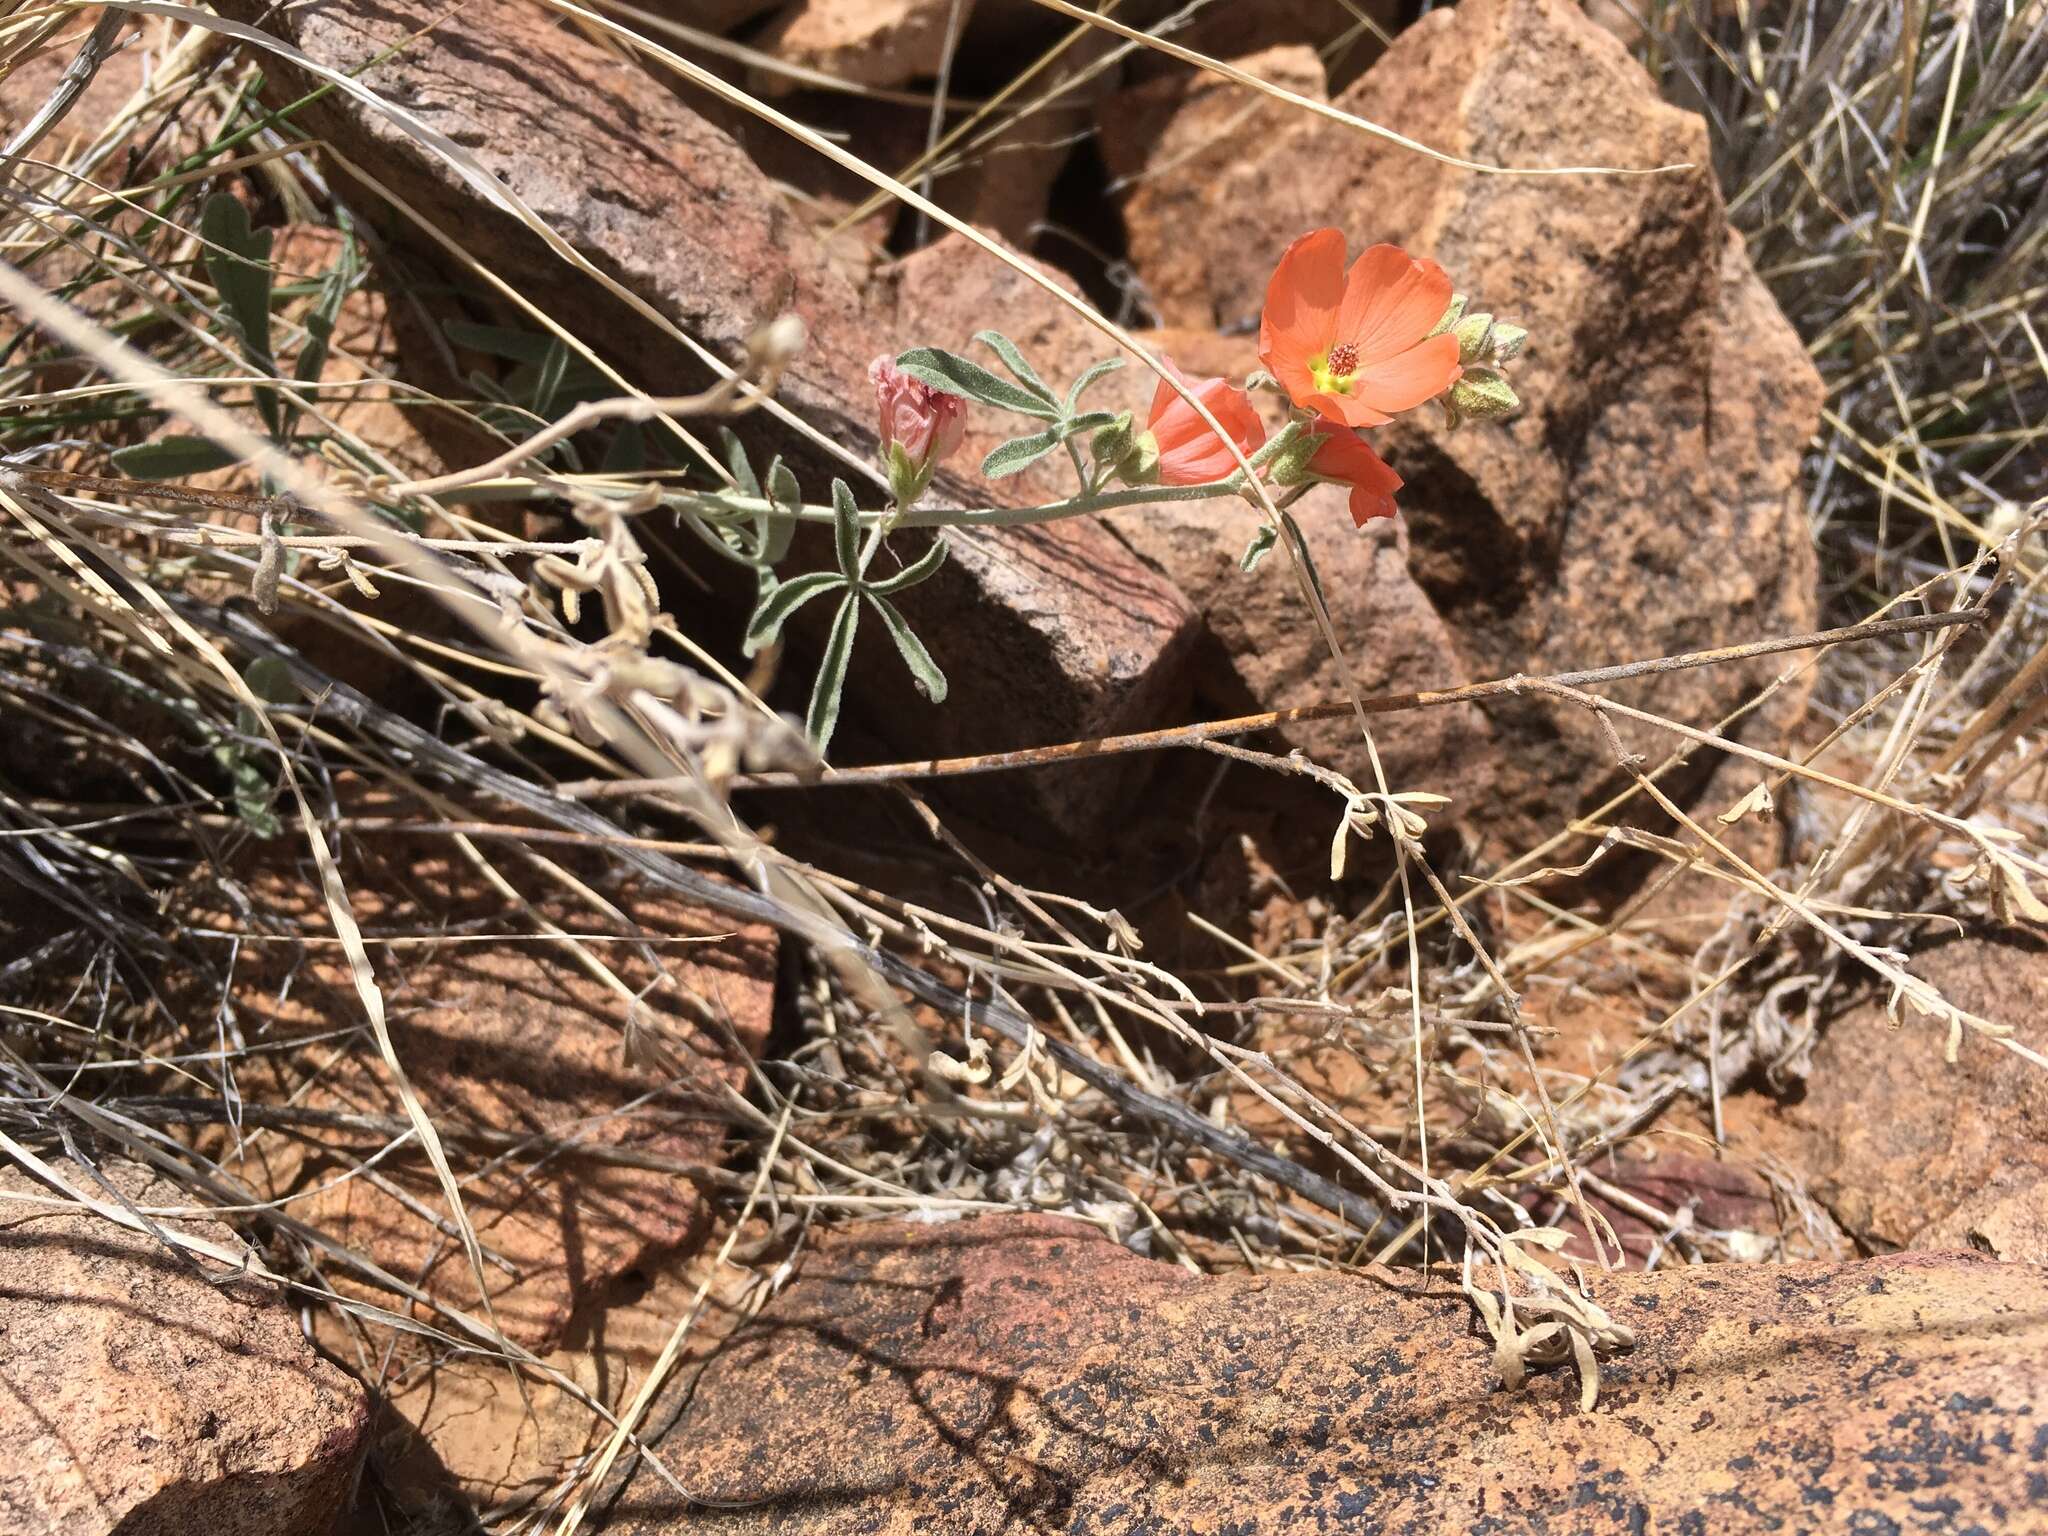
{"x": 1166, "y": 394}
{"x": 1347, "y": 409}
{"x": 1350, "y": 458}
{"x": 1302, "y": 299}
{"x": 1190, "y": 452}
{"x": 1391, "y": 301}
{"x": 1403, "y": 381}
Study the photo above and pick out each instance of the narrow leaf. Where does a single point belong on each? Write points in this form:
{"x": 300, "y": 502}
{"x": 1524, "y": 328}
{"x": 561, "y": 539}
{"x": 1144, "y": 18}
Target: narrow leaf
{"x": 172, "y": 458}
{"x": 1019, "y": 453}
{"x": 1315, "y": 578}
{"x": 788, "y": 496}
{"x": 1087, "y": 421}
{"x": 1257, "y": 550}
{"x": 238, "y": 263}
{"x": 963, "y": 376}
{"x": 1087, "y": 381}
{"x": 931, "y": 682}
{"x": 923, "y": 568}
{"x": 846, "y": 530}
{"x": 766, "y": 626}
{"x": 822, "y": 718}
{"x": 736, "y": 461}
{"x": 1013, "y": 360}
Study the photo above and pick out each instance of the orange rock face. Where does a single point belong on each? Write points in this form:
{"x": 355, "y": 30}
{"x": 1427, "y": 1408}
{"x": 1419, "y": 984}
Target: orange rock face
{"x": 1022, "y": 1373}
{"x": 139, "y": 1397}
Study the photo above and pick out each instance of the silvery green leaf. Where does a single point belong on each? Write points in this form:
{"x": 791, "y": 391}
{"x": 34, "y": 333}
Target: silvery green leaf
{"x": 923, "y": 568}
{"x": 846, "y": 530}
{"x": 1087, "y": 380}
{"x": 779, "y": 602}
{"x": 736, "y": 460}
{"x": 788, "y": 497}
{"x": 1260, "y": 546}
{"x": 931, "y": 682}
{"x": 1308, "y": 563}
{"x": 1013, "y": 360}
{"x": 963, "y": 376}
{"x": 1088, "y": 421}
{"x": 822, "y": 718}
{"x": 1020, "y": 453}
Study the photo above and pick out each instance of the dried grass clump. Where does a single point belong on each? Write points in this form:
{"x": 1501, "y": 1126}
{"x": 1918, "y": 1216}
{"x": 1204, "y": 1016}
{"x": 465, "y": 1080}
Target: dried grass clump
{"x": 1888, "y": 165}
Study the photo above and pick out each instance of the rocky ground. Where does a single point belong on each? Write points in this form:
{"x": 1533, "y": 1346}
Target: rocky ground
{"x": 704, "y": 1195}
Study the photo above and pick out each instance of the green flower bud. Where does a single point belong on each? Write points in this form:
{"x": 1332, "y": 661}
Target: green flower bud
{"x": 1291, "y": 466}
{"x": 1472, "y": 333}
{"x": 1112, "y": 444}
{"x": 1483, "y": 395}
{"x": 1507, "y": 341}
{"x": 1452, "y": 315}
{"x": 907, "y": 478}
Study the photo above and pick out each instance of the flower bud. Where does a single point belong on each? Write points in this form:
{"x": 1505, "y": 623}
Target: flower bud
{"x": 1482, "y": 395}
{"x": 1507, "y": 341}
{"x": 1452, "y": 315}
{"x": 919, "y": 427}
{"x": 1291, "y": 466}
{"x": 1112, "y": 444}
{"x": 1472, "y": 333}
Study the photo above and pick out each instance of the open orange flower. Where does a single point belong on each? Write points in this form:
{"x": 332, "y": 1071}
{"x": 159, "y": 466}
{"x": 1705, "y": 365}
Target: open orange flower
{"x": 1355, "y": 347}
{"x": 1190, "y": 452}
{"x": 1349, "y": 460}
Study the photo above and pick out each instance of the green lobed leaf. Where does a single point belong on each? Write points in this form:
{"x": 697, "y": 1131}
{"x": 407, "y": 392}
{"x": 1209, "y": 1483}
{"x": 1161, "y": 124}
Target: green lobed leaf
{"x": 238, "y": 262}
{"x": 1020, "y": 453}
{"x": 923, "y": 568}
{"x": 782, "y": 601}
{"x": 1088, "y": 380}
{"x": 931, "y": 682}
{"x": 822, "y": 718}
{"x": 963, "y": 376}
{"x": 172, "y": 458}
{"x": 1013, "y": 360}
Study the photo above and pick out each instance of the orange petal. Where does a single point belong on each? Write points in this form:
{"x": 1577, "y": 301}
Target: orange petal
{"x": 1391, "y": 301}
{"x": 1348, "y": 409}
{"x": 1300, "y": 318}
{"x": 1190, "y": 452}
{"x": 1405, "y": 380}
{"x": 1165, "y": 395}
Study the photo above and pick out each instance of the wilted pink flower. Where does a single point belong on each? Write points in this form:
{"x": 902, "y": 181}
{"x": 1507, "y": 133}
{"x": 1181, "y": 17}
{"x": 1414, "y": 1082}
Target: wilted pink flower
{"x": 926, "y": 423}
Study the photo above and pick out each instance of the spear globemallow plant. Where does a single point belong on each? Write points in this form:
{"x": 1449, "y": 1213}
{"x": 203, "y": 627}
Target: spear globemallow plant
{"x": 1347, "y": 346}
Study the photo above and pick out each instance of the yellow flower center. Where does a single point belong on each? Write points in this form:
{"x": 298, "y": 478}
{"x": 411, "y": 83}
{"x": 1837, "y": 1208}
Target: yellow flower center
{"x": 1334, "y": 371}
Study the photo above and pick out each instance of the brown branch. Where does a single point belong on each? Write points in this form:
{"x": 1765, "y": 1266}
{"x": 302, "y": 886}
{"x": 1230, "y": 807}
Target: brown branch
{"x": 1212, "y": 730}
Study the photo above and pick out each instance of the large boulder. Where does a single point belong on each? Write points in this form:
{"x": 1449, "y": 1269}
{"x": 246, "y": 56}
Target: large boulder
{"x": 1024, "y": 1373}
{"x": 145, "y": 1392}
{"x": 1905, "y": 1150}
{"x": 1063, "y": 635}
{"x": 1646, "y": 500}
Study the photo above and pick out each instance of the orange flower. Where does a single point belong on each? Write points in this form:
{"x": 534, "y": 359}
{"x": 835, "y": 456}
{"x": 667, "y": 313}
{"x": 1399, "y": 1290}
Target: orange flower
{"x": 1190, "y": 452}
{"x": 1356, "y": 347}
{"x": 1349, "y": 460}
